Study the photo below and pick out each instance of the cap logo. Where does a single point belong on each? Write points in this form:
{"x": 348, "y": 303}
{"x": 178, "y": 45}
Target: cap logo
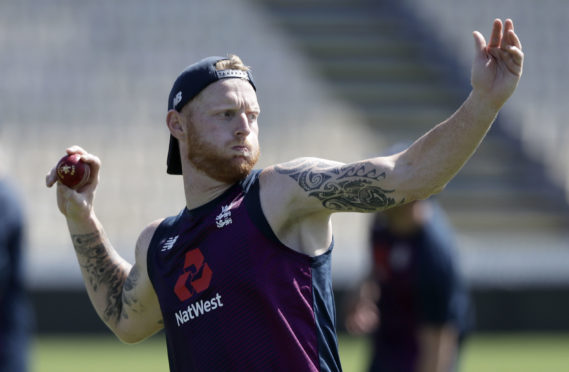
{"x": 223, "y": 74}
{"x": 177, "y": 99}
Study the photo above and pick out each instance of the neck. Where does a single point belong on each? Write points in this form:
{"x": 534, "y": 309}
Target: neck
{"x": 200, "y": 189}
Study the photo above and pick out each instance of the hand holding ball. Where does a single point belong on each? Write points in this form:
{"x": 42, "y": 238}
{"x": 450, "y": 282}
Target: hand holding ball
{"x": 72, "y": 172}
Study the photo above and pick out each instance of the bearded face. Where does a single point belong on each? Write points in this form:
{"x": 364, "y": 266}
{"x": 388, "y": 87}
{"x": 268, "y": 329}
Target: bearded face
{"x": 216, "y": 161}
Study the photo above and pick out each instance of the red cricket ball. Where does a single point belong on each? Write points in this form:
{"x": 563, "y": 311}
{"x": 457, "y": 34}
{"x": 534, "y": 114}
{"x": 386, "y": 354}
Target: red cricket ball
{"x": 72, "y": 172}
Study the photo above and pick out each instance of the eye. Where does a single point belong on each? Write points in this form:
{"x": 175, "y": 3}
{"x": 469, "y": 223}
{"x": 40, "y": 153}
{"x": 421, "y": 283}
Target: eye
{"x": 227, "y": 114}
{"x": 253, "y": 116}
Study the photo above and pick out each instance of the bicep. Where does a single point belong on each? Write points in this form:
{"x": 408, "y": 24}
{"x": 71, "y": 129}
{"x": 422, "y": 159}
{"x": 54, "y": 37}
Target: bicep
{"x": 323, "y": 185}
{"x": 141, "y": 316}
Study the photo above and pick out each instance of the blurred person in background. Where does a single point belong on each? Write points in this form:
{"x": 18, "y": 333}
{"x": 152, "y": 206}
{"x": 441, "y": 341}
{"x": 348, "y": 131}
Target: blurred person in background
{"x": 15, "y": 314}
{"x": 414, "y": 300}
{"x": 240, "y": 278}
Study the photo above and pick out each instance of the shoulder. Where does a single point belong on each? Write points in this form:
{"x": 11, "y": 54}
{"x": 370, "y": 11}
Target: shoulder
{"x": 304, "y": 164}
{"x": 299, "y": 175}
{"x": 291, "y": 186}
{"x": 303, "y": 170}
{"x": 362, "y": 186}
{"x": 145, "y": 237}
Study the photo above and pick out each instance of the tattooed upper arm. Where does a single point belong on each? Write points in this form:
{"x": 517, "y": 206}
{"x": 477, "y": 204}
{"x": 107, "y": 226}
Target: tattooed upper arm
{"x": 102, "y": 272}
{"x": 130, "y": 299}
{"x": 339, "y": 187}
{"x": 140, "y": 315}
{"x": 120, "y": 292}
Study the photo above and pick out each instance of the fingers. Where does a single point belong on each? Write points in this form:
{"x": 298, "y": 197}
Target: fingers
{"x": 479, "y": 43}
{"x": 510, "y": 37}
{"x": 513, "y": 39}
{"x": 75, "y": 150}
{"x": 51, "y": 177}
{"x": 93, "y": 161}
{"x": 95, "y": 165}
{"x": 504, "y": 36}
{"x": 504, "y": 45}
{"x": 508, "y": 27}
{"x": 496, "y": 36}
{"x": 511, "y": 49}
{"x": 482, "y": 49}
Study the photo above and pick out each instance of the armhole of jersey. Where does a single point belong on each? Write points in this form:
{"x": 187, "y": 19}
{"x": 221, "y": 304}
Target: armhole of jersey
{"x": 251, "y": 189}
{"x": 253, "y": 204}
{"x": 160, "y": 231}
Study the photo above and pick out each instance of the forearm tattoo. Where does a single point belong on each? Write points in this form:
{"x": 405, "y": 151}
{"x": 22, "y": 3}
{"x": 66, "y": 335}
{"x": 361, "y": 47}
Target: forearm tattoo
{"x": 349, "y": 188}
{"x": 102, "y": 274}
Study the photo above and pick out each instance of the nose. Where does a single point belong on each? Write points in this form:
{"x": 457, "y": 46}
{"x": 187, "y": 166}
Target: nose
{"x": 243, "y": 126}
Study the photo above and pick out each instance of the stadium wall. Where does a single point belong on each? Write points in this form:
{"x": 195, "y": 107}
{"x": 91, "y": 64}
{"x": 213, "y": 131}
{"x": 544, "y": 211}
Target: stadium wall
{"x": 532, "y": 309}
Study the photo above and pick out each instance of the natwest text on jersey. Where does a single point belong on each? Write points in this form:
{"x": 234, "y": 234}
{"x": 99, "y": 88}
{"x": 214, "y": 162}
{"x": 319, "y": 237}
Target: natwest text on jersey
{"x": 197, "y": 309}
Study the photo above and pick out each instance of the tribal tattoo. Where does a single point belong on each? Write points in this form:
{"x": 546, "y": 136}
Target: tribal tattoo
{"x": 102, "y": 272}
{"x": 349, "y": 188}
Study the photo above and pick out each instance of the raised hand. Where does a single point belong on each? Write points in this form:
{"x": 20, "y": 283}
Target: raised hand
{"x": 497, "y": 67}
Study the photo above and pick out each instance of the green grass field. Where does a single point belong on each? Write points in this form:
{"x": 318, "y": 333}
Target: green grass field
{"x": 482, "y": 353}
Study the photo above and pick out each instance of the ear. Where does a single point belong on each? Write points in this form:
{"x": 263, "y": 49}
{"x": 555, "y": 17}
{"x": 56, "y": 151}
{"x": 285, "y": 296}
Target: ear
{"x": 175, "y": 124}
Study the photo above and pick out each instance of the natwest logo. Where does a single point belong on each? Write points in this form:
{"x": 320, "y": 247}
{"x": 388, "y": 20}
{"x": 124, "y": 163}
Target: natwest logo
{"x": 195, "y": 278}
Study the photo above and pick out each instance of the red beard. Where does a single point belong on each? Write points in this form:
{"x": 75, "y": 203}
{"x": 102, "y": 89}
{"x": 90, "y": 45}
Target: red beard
{"x": 210, "y": 160}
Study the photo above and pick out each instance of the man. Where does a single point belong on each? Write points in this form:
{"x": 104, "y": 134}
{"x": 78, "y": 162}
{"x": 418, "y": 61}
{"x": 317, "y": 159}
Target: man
{"x": 240, "y": 279}
{"x": 414, "y": 300}
{"x": 15, "y": 312}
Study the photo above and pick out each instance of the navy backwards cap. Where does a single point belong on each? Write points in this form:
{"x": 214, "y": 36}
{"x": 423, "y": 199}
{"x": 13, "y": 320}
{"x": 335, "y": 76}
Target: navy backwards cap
{"x": 189, "y": 84}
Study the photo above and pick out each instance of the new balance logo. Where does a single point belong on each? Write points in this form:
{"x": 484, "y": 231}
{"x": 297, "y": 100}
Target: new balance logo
{"x": 177, "y": 99}
{"x": 169, "y": 244}
{"x": 224, "y": 218}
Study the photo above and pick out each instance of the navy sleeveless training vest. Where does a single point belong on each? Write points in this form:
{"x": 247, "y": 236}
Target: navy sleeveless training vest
{"x": 234, "y": 298}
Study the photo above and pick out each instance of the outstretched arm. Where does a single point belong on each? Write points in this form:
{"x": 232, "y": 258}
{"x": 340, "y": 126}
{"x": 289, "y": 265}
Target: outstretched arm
{"x": 431, "y": 161}
{"x": 121, "y": 293}
{"x": 434, "y": 159}
{"x": 299, "y": 196}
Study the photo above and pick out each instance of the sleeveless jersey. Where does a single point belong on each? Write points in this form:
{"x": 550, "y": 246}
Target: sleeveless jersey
{"x": 234, "y": 298}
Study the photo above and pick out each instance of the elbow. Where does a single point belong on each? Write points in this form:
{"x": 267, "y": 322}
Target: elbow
{"x": 129, "y": 339}
{"x": 127, "y": 336}
{"x": 417, "y": 183}
{"x": 425, "y": 192}
{"x": 437, "y": 189}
